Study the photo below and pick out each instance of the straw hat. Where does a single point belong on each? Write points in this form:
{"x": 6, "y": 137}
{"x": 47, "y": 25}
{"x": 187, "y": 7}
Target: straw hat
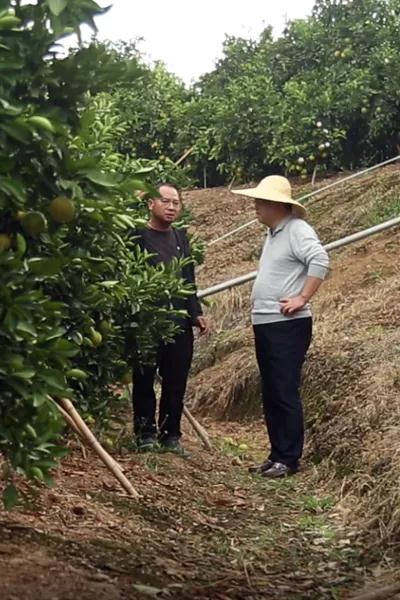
{"x": 276, "y": 189}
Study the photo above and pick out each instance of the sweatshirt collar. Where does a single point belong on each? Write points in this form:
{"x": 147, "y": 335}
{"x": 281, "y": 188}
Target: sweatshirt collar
{"x": 281, "y": 226}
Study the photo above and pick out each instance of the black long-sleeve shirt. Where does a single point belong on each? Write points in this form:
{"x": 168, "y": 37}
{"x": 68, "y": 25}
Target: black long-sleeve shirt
{"x": 164, "y": 246}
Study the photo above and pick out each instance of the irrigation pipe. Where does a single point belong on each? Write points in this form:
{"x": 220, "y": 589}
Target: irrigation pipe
{"x": 309, "y": 195}
{"x": 350, "y": 239}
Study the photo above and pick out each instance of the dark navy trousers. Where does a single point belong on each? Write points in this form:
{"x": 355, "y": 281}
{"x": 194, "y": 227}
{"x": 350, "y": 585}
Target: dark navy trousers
{"x": 173, "y": 363}
{"x": 281, "y": 348}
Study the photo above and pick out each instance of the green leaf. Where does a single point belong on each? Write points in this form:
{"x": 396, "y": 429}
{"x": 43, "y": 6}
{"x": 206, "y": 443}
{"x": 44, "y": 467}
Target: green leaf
{"x": 65, "y": 348}
{"x": 57, "y": 6}
{"x": 55, "y": 333}
{"x": 100, "y": 178}
{"x": 144, "y": 171}
{"x": 26, "y": 328}
{"x": 133, "y": 185}
{"x": 29, "y": 429}
{"x": 9, "y": 21}
{"x": 24, "y": 373}
{"x": 9, "y": 109}
{"x": 11, "y": 187}
{"x": 54, "y": 379}
{"x": 38, "y": 399}
{"x": 77, "y": 374}
{"x": 21, "y": 245}
{"x": 45, "y": 266}
{"x": 128, "y": 221}
{"x": 42, "y": 123}
{"x": 37, "y": 473}
{"x": 18, "y": 131}
{"x": 10, "y": 497}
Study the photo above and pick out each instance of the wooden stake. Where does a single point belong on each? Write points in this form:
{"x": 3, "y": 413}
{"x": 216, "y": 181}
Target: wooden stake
{"x": 204, "y": 177}
{"x": 199, "y": 429}
{"x": 314, "y": 175}
{"x": 69, "y": 420}
{"x": 90, "y": 439}
{"x": 74, "y": 426}
{"x": 231, "y": 183}
{"x": 184, "y": 155}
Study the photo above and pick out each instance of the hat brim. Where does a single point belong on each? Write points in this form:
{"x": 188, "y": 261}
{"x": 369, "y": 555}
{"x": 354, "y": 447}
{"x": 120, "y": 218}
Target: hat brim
{"x": 273, "y": 196}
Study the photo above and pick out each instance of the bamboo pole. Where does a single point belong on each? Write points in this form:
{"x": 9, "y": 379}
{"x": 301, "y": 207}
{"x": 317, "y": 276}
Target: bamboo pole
{"x": 90, "y": 439}
{"x": 199, "y": 429}
{"x": 75, "y": 427}
{"x": 184, "y": 155}
{"x": 232, "y": 181}
{"x": 69, "y": 420}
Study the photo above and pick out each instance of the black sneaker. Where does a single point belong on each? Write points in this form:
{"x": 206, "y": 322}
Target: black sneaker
{"x": 258, "y": 469}
{"x": 277, "y": 470}
{"x": 173, "y": 444}
{"x": 147, "y": 443}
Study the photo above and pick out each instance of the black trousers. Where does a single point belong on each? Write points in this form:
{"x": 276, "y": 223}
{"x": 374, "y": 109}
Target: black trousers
{"x": 281, "y": 348}
{"x": 173, "y": 364}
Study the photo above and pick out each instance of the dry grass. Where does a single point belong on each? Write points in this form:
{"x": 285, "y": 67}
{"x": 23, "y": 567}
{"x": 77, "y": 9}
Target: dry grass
{"x": 352, "y": 393}
{"x": 228, "y": 351}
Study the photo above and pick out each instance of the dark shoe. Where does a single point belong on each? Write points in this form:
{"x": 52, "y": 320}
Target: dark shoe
{"x": 258, "y": 469}
{"x": 278, "y": 470}
{"x": 173, "y": 444}
{"x": 147, "y": 443}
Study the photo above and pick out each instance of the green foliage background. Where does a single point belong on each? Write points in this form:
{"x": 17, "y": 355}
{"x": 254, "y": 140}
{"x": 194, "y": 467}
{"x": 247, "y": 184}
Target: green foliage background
{"x": 323, "y": 95}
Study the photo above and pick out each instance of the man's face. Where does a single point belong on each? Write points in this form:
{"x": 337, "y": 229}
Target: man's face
{"x": 168, "y": 206}
{"x": 267, "y": 212}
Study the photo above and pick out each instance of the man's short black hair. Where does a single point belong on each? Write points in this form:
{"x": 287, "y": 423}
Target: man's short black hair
{"x": 170, "y": 185}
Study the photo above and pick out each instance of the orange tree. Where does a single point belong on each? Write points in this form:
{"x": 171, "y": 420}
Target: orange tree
{"x": 324, "y": 94}
{"x": 73, "y": 287}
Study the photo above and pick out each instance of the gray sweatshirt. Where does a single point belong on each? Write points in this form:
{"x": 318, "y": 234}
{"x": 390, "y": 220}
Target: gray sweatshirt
{"x": 291, "y": 253}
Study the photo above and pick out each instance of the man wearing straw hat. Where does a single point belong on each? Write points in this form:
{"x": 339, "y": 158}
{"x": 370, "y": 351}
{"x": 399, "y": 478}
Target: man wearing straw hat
{"x": 292, "y": 267}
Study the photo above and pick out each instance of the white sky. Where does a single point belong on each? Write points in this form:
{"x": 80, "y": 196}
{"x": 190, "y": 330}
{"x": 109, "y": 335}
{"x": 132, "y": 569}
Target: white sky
{"x": 186, "y": 35}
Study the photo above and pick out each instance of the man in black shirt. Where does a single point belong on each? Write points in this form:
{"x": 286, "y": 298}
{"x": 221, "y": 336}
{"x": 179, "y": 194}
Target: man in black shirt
{"x": 174, "y": 359}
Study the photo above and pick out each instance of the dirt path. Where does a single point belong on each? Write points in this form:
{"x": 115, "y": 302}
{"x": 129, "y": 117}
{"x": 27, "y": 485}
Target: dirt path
{"x": 204, "y": 529}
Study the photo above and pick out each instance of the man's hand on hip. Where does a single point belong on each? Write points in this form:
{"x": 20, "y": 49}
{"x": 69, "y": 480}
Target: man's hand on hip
{"x": 203, "y": 325}
{"x": 292, "y": 305}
